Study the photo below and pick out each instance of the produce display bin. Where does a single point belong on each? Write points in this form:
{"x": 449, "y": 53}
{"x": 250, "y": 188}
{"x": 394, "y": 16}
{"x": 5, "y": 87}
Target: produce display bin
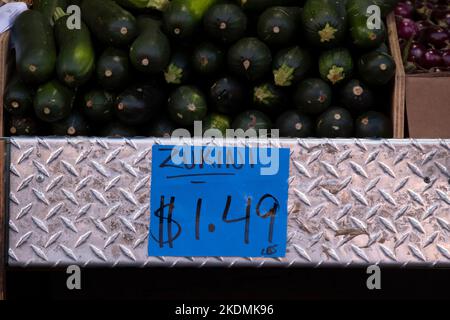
{"x": 422, "y": 99}
{"x": 353, "y": 202}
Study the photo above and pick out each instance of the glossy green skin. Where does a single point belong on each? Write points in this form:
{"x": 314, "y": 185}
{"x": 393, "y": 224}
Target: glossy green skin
{"x": 383, "y": 48}
{"x": 111, "y": 24}
{"x": 18, "y": 99}
{"x": 73, "y": 125}
{"x": 252, "y": 119}
{"x": 291, "y": 65}
{"x": 335, "y": 123}
{"x": 227, "y": 95}
{"x": 35, "y": 47}
{"x": 179, "y": 22}
{"x": 373, "y": 124}
{"x": 186, "y": 105}
{"x": 278, "y": 18}
{"x": 339, "y": 57}
{"x": 144, "y": 4}
{"x": 76, "y": 59}
{"x": 362, "y": 37}
{"x": 315, "y": 17}
{"x": 293, "y": 124}
{"x": 22, "y": 126}
{"x": 138, "y": 104}
{"x": 312, "y": 96}
{"x": 357, "y": 97}
{"x": 150, "y": 52}
{"x": 182, "y": 17}
{"x": 207, "y": 59}
{"x": 228, "y": 15}
{"x": 113, "y": 70}
{"x": 47, "y": 8}
{"x": 97, "y": 106}
{"x": 376, "y": 68}
{"x": 260, "y": 5}
{"x": 251, "y": 51}
{"x": 53, "y": 101}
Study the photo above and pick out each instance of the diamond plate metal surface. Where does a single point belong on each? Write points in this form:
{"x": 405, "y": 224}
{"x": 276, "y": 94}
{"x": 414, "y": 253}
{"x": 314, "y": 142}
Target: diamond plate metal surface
{"x": 351, "y": 202}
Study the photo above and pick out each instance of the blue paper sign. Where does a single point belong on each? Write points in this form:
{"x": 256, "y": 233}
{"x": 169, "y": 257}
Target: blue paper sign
{"x": 218, "y": 201}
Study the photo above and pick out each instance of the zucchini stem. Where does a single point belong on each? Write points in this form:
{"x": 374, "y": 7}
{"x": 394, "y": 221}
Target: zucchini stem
{"x": 173, "y": 74}
{"x": 58, "y": 14}
{"x": 283, "y": 76}
{"x": 160, "y": 5}
{"x": 327, "y": 33}
{"x": 336, "y": 74}
{"x": 263, "y": 94}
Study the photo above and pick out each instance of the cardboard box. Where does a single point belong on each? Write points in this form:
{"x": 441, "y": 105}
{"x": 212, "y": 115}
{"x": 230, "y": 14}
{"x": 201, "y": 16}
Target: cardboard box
{"x": 426, "y": 101}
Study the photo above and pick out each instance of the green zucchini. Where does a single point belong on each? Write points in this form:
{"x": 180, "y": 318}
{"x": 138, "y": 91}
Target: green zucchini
{"x": 18, "y": 99}
{"x": 97, "y": 105}
{"x": 109, "y": 22}
{"x": 73, "y": 125}
{"x": 53, "y": 101}
{"x": 376, "y": 68}
{"x": 341, "y": 7}
{"x": 160, "y": 5}
{"x": 161, "y": 128}
{"x": 48, "y": 8}
{"x": 357, "y": 97}
{"x": 249, "y": 58}
{"x": 179, "y": 69}
{"x": 261, "y": 5}
{"x": 336, "y": 65}
{"x": 323, "y": 23}
{"x": 373, "y": 124}
{"x": 277, "y": 26}
{"x": 35, "y": 47}
{"x": 363, "y": 37}
{"x": 293, "y": 124}
{"x": 150, "y": 52}
{"x": 22, "y": 126}
{"x": 225, "y": 22}
{"x": 182, "y": 17}
{"x": 138, "y": 104}
{"x": 269, "y": 98}
{"x": 75, "y": 62}
{"x": 312, "y": 96}
{"x": 335, "y": 123}
{"x": 382, "y": 48}
{"x": 113, "y": 70}
{"x": 291, "y": 65}
{"x": 228, "y": 95}
{"x": 207, "y": 59}
{"x": 252, "y": 119}
{"x": 186, "y": 105}
{"x": 217, "y": 121}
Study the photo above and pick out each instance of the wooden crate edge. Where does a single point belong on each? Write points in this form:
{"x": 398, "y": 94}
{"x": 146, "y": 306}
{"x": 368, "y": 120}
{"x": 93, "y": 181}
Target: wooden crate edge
{"x": 4, "y": 53}
{"x": 398, "y": 97}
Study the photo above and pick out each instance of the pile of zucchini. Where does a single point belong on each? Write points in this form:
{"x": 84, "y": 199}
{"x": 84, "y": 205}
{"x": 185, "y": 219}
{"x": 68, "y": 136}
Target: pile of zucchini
{"x": 309, "y": 68}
